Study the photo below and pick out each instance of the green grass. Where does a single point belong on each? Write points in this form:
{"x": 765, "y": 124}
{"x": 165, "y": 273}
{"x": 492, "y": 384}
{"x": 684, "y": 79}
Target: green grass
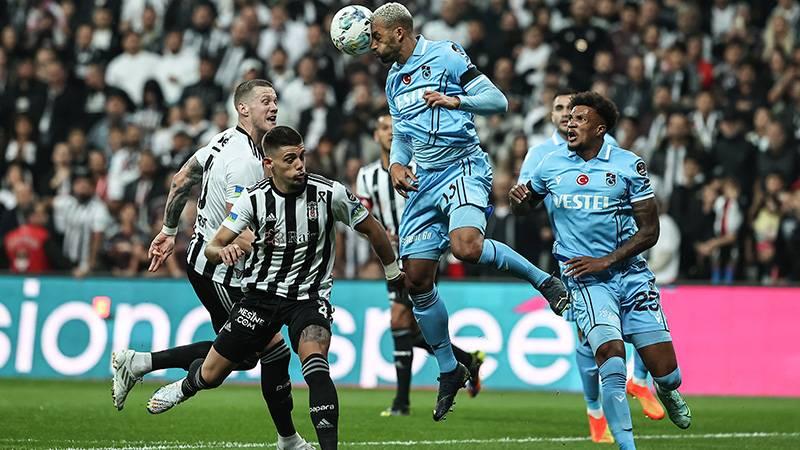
{"x": 60, "y": 414}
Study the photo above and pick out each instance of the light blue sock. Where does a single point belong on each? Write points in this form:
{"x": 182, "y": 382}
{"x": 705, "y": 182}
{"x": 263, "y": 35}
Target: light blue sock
{"x": 587, "y": 368}
{"x": 670, "y": 381}
{"x": 615, "y": 402}
{"x": 639, "y": 370}
{"x": 431, "y": 315}
{"x": 502, "y": 257}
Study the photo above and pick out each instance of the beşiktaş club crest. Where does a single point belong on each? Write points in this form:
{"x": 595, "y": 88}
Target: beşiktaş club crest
{"x": 611, "y": 178}
{"x": 426, "y": 72}
{"x": 311, "y": 211}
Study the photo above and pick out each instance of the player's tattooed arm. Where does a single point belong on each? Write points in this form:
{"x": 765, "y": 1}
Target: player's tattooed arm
{"x": 645, "y": 213}
{"x": 182, "y": 183}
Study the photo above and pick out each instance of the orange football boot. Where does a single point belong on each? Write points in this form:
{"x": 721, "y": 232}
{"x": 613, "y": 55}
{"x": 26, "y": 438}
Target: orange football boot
{"x": 598, "y": 429}
{"x": 650, "y": 405}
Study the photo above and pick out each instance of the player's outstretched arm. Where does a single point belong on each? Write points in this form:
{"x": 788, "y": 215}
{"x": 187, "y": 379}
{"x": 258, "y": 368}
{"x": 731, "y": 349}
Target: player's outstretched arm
{"x": 376, "y": 234}
{"x": 223, "y": 249}
{"x": 182, "y": 183}
{"x": 645, "y": 213}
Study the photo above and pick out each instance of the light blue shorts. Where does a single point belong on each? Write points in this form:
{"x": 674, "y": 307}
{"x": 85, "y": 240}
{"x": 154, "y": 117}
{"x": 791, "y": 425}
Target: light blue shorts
{"x": 621, "y": 304}
{"x": 450, "y": 198}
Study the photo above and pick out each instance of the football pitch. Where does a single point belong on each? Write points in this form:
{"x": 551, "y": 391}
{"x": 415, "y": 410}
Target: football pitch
{"x": 64, "y": 414}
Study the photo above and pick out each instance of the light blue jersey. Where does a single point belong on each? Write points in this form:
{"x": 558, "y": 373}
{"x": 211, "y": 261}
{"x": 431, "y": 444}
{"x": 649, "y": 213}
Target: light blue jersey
{"x": 537, "y": 153}
{"x": 590, "y": 203}
{"x": 438, "y": 137}
{"x": 591, "y": 210}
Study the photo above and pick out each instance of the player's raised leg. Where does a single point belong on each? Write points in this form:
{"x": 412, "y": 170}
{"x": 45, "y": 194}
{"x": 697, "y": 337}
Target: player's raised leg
{"x": 660, "y": 359}
{"x": 639, "y": 388}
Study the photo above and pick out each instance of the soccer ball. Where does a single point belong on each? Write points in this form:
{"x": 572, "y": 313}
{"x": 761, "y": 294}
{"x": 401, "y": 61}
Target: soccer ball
{"x": 351, "y": 32}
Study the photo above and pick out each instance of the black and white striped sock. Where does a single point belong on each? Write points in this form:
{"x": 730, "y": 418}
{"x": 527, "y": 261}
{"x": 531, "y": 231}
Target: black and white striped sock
{"x": 323, "y": 403}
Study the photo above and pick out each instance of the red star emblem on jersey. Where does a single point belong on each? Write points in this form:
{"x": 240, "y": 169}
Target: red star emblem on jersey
{"x": 407, "y": 79}
{"x": 582, "y": 179}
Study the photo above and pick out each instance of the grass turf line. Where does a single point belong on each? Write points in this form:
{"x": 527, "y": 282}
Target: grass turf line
{"x": 46, "y": 414}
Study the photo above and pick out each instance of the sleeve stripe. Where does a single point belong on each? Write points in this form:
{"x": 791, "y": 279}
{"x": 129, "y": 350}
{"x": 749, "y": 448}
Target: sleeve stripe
{"x": 638, "y": 199}
{"x": 470, "y": 77}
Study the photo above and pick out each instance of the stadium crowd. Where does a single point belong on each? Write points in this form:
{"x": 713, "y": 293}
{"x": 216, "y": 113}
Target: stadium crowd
{"x": 102, "y": 101}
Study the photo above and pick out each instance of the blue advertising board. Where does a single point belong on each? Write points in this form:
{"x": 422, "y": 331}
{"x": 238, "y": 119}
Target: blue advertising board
{"x": 50, "y": 329}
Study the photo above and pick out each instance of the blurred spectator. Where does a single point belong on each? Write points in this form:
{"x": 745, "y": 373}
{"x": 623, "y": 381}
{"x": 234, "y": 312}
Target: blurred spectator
{"x": 577, "y": 44}
{"x": 676, "y": 74}
{"x": 122, "y": 167}
{"x": 656, "y": 123}
{"x": 27, "y": 95}
{"x": 279, "y": 72}
{"x": 319, "y": 119}
{"x": 195, "y": 116}
{"x": 144, "y": 189}
{"x": 130, "y": 70}
{"x": 704, "y": 119}
{"x": 209, "y": 92}
{"x": 104, "y": 38}
{"x": 176, "y": 68}
{"x": 30, "y": 248}
{"x": 533, "y": 57}
{"x": 234, "y": 55}
{"x": 83, "y": 53}
{"x": 149, "y": 117}
{"x": 147, "y": 24}
{"x": 666, "y": 164}
{"x": 22, "y": 147}
{"x": 781, "y": 155}
{"x": 664, "y": 258}
{"x": 298, "y": 94}
{"x": 787, "y": 242}
{"x": 182, "y": 148}
{"x": 24, "y": 200}
{"x": 58, "y": 178}
{"x": 115, "y": 117}
{"x": 98, "y": 173}
{"x": 97, "y": 93}
{"x": 124, "y": 249}
{"x": 81, "y": 218}
{"x": 63, "y": 107}
{"x": 766, "y": 222}
{"x": 778, "y": 35}
{"x": 723, "y": 13}
{"x": 284, "y": 33}
{"x": 202, "y": 37}
{"x": 625, "y": 37}
{"x": 632, "y": 91}
{"x": 449, "y": 26}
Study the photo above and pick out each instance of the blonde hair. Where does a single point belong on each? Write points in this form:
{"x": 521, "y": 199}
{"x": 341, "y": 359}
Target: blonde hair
{"x": 394, "y": 15}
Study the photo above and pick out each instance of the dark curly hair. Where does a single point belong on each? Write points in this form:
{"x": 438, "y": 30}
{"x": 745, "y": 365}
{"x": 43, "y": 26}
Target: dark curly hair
{"x": 603, "y": 106}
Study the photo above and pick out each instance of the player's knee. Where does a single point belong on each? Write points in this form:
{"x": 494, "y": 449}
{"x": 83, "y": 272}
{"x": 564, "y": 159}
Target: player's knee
{"x": 417, "y": 283}
{"x": 467, "y": 250}
{"x": 671, "y": 381}
{"x": 609, "y": 350}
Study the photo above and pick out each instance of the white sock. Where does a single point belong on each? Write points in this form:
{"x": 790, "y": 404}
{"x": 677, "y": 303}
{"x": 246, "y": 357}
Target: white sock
{"x": 141, "y": 363}
{"x": 293, "y": 439}
{"x": 596, "y": 413}
{"x": 639, "y": 381}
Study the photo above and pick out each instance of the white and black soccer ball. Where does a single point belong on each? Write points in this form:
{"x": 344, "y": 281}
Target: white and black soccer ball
{"x": 351, "y": 30}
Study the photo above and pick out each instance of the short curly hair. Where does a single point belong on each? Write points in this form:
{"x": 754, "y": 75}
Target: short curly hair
{"x": 603, "y": 106}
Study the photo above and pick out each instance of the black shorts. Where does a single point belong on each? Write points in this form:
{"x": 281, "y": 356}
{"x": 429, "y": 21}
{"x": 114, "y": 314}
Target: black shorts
{"x": 257, "y": 318}
{"x": 217, "y": 298}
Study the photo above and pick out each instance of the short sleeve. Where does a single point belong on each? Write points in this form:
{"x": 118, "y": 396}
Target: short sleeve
{"x": 241, "y": 215}
{"x": 347, "y": 208}
{"x": 202, "y": 154}
{"x": 459, "y": 66}
{"x": 536, "y": 181}
{"x": 233, "y": 180}
{"x": 530, "y": 162}
{"x": 639, "y": 187}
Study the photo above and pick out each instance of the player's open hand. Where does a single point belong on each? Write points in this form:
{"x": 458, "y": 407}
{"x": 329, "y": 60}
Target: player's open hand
{"x": 434, "y": 98}
{"x": 160, "y": 249}
{"x": 585, "y": 265}
{"x": 231, "y": 253}
{"x": 519, "y": 194}
{"x": 403, "y": 179}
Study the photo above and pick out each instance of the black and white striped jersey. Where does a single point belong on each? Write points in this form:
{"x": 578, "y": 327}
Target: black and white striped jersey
{"x": 374, "y": 186}
{"x": 294, "y": 249}
{"x": 231, "y": 162}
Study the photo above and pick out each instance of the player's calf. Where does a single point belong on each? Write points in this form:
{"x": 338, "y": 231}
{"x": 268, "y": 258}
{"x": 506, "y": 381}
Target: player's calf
{"x": 323, "y": 402}
{"x": 276, "y": 387}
